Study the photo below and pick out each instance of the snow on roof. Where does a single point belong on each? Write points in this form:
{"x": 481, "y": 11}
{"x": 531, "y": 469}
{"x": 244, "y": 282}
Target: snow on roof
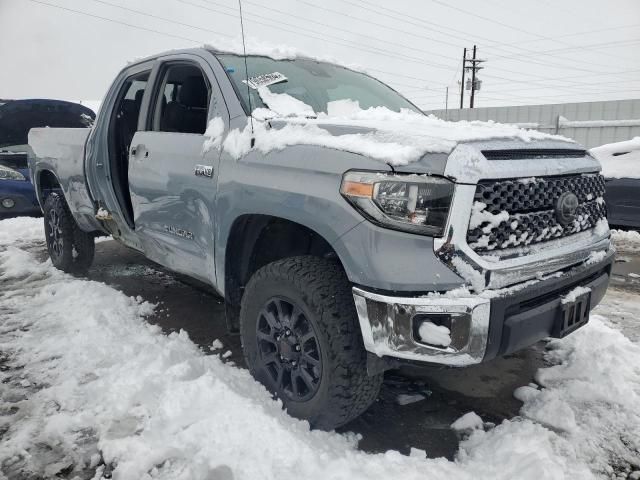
{"x": 255, "y": 46}
{"x": 619, "y": 160}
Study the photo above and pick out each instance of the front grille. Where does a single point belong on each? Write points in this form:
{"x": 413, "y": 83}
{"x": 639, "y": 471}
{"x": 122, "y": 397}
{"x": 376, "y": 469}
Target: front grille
{"x": 520, "y": 212}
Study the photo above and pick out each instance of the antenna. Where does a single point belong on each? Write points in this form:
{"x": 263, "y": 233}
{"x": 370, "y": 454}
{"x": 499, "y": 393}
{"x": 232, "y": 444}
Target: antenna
{"x": 246, "y": 70}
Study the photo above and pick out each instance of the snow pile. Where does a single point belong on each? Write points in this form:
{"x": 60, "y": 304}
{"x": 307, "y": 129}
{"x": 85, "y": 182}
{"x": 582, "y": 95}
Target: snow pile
{"x": 238, "y": 142}
{"x": 433, "y": 334}
{"x": 590, "y": 397}
{"x": 255, "y": 46}
{"x": 628, "y": 241}
{"x": 21, "y": 230}
{"x": 573, "y": 295}
{"x": 284, "y": 105}
{"x": 213, "y": 134}
{"x": 397, "y": 138}
{"x": 619, "y": 160}
{"x": 94, "y": 384}
{"x": 468, "y": 422}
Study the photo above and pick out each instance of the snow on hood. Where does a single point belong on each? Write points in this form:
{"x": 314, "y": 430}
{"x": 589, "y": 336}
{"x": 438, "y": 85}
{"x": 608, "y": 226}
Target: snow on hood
{"x": 619, "y": 160}
{"x": 396, "y": 138}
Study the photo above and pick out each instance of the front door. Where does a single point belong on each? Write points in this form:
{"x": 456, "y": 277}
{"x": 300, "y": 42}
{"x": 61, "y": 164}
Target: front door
{"x": 172, "y": 175}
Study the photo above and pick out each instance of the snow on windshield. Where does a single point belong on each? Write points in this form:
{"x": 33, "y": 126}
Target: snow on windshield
{"x": 619, "y": 160}
{"x": 285, "y": 105}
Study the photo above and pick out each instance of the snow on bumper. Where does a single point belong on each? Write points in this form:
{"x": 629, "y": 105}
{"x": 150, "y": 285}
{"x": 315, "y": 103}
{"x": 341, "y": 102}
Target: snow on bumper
{"x": 390, "y": 329}
{"x": 482, "y": 326}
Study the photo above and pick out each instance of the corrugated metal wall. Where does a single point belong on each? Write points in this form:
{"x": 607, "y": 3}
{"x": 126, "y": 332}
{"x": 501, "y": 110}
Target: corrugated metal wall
{"x": 590, "y": 123}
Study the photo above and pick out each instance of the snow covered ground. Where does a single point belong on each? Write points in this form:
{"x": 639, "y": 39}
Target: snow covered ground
{"x": 626, "y": 241}
{"x": 89, "y": 389}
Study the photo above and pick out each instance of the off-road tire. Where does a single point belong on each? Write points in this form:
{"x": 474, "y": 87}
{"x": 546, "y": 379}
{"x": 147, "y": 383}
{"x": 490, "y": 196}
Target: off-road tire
{"x": 321, "y": 289}
{"x": 75, "y": 250}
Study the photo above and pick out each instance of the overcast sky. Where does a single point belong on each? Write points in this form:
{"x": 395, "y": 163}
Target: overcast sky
{"x": 537, "y": 51}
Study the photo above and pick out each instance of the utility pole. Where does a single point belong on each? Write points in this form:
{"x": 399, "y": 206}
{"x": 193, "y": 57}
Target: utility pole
{"x": 464, "y": 64}
{"x": 472, "y": 64}
{"x": 473, "y": 77}
{"x": 446, "y": 104}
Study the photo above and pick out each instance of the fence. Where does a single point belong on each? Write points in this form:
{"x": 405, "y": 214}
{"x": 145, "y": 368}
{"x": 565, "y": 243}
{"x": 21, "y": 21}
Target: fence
{"x": 590, "y": 123}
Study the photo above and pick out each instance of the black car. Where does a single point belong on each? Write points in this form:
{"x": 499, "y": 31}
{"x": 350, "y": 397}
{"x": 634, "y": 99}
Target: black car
{"x": 621, "y": 169}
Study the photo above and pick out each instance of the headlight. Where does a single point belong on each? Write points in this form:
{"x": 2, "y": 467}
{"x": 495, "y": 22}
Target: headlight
{"x": 7, "y": 173}
{"x": 411, "y": 203}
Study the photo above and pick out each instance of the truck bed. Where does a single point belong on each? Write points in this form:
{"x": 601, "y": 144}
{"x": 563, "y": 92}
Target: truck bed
{"x": 61, "y": 150}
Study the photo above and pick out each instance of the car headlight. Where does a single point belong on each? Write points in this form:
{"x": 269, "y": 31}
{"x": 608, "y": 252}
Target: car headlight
{"x": 407, "y": 202}
{"x": 7, "y": 173}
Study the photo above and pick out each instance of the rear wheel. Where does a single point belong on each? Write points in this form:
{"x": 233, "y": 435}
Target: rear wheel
{"x": 70, "y": 248}
{"x": 301, "y": 339}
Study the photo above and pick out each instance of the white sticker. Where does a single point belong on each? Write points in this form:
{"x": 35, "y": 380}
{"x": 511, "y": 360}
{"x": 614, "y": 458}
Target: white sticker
{"x": 265, "y": 80}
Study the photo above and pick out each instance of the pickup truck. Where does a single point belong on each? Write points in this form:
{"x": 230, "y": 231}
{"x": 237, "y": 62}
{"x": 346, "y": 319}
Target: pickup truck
{"x": 348, "y": 232}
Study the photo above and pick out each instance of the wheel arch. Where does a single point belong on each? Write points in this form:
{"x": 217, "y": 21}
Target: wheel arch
{"x": 46, "y": 183}
{"x": 256, "y": 240}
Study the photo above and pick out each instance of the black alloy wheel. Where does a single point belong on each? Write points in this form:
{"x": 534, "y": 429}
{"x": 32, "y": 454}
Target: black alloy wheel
{"x": 71, "y": 249}
{"x": 55, "y": 237}
{"x": 289, "y": 349}
{"x": 301, "y": 339}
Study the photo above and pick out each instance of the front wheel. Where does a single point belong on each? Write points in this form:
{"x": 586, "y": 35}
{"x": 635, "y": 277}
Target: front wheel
{"x": 301, "y": 339}
{"x": 71, "y": 250}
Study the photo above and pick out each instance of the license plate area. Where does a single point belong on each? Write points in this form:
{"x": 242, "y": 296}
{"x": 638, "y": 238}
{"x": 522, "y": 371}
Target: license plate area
{"x": 573, "y": 315}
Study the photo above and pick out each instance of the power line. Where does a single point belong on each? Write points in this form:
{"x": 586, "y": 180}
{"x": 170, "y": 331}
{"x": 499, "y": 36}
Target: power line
{"x": 412, "y": 19}
{"x": 111, "y": 20}
{"x": 428, "y": 53}
{"x": 349, "y": 42}
{"x": 139, "y": 12}
{"x": 323, "y": 37}
{"x": 517, "y": 29}
{"x": 387, "y": 27}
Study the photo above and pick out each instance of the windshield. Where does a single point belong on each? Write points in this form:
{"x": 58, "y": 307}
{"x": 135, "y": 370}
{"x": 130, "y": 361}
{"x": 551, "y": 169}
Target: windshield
{"x": 312, "y": 82}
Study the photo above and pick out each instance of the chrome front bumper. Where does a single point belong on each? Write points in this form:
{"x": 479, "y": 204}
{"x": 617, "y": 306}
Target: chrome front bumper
{"x": 482, "y": 326}
{"x": 387, "y": 327}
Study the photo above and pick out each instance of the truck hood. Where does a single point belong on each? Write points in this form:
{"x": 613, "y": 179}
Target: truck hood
{"x": 413, "y": 143}
{"x": 17, "y": 117}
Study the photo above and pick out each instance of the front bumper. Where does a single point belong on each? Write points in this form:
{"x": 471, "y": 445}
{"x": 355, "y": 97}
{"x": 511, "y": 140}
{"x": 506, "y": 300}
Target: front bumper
{"x": 22, "y": 195}
{"x": 483, "y": 326}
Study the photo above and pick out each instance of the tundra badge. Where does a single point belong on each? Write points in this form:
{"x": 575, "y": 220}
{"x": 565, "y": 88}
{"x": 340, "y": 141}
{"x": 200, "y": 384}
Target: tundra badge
{"x": 179, "y": 232}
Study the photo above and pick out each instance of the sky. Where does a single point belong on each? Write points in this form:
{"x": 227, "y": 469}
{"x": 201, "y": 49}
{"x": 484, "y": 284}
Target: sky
{"x": 536, "y": 51}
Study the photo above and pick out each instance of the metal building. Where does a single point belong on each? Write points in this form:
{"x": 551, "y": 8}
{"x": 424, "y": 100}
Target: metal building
{"x": 589, "y": 123}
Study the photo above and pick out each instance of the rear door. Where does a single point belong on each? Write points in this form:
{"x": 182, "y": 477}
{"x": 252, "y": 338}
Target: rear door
{"x": 172, "y": 172}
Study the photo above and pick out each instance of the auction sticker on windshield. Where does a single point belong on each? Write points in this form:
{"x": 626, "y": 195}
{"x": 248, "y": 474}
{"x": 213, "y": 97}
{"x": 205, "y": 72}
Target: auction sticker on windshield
{"x": 265, "y": 80}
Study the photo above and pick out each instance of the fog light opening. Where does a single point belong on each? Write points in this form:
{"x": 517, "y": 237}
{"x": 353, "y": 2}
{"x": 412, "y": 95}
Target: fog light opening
{"x": 8, "y": 203}
{"x": 433, "y": 330}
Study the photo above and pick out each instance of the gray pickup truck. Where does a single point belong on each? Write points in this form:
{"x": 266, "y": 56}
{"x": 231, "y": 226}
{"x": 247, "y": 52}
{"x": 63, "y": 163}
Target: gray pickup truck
{"x": 335, "y": 264}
